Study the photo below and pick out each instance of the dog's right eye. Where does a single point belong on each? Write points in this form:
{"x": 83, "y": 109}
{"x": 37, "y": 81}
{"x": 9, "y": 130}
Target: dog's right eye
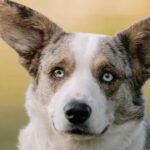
{"x": 57, "y": 73}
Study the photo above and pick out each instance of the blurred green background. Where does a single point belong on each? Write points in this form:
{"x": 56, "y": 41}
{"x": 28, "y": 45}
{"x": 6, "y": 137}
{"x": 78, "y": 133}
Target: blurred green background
{"x": 98, "y": 16}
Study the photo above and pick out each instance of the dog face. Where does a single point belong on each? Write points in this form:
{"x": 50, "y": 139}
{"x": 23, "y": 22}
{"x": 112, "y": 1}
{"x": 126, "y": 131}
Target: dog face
{"x": 82, "y": 84}
{"x": 87, "y": 83}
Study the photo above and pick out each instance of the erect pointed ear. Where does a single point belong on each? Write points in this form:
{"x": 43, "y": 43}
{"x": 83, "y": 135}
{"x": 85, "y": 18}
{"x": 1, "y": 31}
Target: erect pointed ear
{"x": 136, "y": 40}
{"x": 27, "y": 31}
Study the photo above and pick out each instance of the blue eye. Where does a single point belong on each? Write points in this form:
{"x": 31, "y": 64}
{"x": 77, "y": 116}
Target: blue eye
{"x": 107, "y": 77}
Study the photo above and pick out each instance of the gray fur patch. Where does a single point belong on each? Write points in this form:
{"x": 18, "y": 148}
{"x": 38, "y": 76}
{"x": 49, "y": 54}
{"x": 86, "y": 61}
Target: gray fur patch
{"x": 147, "y": 144}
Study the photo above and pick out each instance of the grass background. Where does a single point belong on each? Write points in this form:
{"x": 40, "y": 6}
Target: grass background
{"x": 98, "y": 16}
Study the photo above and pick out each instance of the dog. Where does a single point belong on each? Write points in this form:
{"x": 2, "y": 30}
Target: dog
{"x": 86, "y": 89}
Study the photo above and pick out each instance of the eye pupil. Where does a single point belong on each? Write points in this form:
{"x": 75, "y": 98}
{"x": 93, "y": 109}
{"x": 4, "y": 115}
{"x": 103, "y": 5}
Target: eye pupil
{"x": 58, "y": 73}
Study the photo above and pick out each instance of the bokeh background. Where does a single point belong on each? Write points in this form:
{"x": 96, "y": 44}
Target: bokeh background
{"x": 98, "y": 16}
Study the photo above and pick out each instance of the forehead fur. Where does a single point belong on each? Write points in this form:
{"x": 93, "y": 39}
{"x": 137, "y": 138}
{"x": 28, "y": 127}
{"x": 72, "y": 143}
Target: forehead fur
{"x": 95, "y": 49}
{"x": 84, "y": 47}
{"x": 57, "y": 53}
{"x": 82, "y": 50}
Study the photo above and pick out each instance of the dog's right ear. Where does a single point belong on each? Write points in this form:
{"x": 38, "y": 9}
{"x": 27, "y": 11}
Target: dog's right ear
{"x": 27, "y": 31}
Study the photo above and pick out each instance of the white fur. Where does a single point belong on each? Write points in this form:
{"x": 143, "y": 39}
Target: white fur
{"x": 129, "y": 136}
{"x": 87, "y": 44}
{"x": 81, "y": 79}
{"x": 40, "y": 134}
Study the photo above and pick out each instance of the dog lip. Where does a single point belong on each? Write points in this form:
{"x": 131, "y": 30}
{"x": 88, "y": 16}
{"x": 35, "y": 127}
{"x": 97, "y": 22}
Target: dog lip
{"x": 105, "y": 129}
{"x": 77, "y": 131}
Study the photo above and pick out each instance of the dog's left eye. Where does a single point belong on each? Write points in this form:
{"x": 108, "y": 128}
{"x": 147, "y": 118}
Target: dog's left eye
{"x": 58, "y": 73}
{"x": 107, "y": 77}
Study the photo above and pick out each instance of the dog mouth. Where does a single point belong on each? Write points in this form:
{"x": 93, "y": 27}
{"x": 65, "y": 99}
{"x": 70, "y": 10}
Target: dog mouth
{"x": 86, "y": 132}
{"x": 77, "y": 131}
{"x": 83, "y": 131}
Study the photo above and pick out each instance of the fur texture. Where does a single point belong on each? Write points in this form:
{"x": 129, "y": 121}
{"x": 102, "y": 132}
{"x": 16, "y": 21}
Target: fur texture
{"x": 104, "y": 72}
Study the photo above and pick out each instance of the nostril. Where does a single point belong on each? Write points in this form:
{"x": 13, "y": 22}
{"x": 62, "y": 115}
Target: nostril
{"x": 70, "y": 113}
{"x": 77, "y": 113}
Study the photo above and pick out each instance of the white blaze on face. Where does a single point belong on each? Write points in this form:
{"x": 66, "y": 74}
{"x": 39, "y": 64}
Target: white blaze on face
{"x": 82, "y": 86}
{"x": 84, "y": 47}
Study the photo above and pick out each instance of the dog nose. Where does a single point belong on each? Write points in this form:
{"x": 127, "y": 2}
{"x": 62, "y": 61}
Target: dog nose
{"x": 77, "y": 113}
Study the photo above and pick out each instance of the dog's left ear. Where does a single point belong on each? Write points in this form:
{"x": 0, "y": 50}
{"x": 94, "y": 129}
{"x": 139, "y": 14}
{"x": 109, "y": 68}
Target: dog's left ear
{"x": 136, "y": 40}
{"x": 27, "y": 31}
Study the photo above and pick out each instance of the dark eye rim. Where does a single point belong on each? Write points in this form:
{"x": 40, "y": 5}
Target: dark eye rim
{"x": 108, "y": 82}
{"x": 53, "y": 70}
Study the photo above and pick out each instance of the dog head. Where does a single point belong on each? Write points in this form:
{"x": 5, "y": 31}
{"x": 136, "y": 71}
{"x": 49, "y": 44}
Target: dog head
{"x": 82, "y": 84}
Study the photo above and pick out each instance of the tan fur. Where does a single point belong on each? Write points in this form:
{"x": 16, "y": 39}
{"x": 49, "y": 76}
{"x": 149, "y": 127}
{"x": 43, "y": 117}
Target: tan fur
{"x": 117, "y": 107}
{"x": 137, "y": 38}
{"x": 61, "y": 57}
{"x": 26, "y": 30}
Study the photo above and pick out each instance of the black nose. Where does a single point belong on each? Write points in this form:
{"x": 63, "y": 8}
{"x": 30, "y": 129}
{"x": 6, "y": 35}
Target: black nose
{"x": 77, "y": 113}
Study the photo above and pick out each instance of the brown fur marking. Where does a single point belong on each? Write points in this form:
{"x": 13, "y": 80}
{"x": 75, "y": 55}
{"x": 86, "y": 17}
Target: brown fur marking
{"x": 58, "y": 56}
{"x": 26, "y": 31}
{"x": 138, "y": 38}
